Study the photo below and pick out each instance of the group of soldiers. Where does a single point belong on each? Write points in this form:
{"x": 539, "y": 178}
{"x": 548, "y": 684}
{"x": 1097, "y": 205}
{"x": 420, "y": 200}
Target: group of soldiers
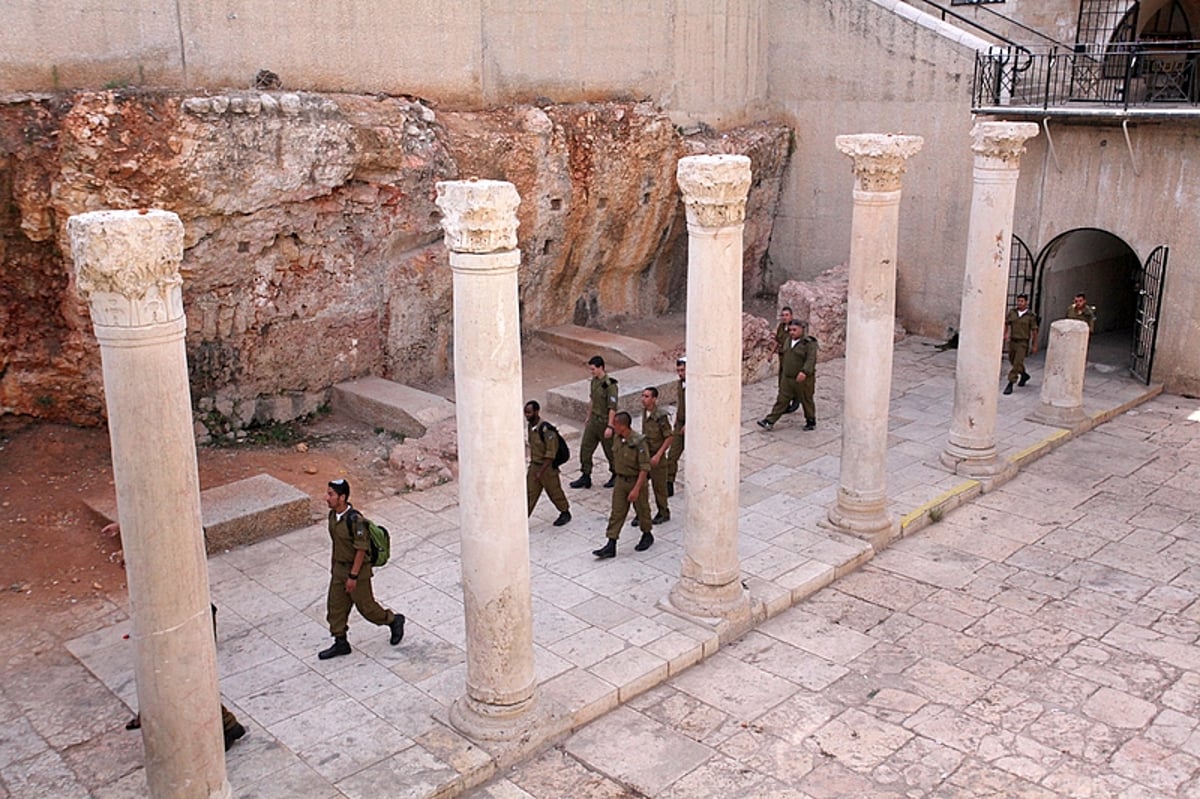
{"x": 651, "y": 456}
{"x": 1021, "y": 331}
{"x": 634, "y": 459}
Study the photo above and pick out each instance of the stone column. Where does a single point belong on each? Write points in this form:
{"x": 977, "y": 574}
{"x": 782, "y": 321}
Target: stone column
{"x": 971, "y": 446}
{"x": 480, "y": 223}
{"x": 879, "y": 162}
{"x": 127, "y": 268}
{"x": 1062, "y": 380}
{"x": 714, "y": 190}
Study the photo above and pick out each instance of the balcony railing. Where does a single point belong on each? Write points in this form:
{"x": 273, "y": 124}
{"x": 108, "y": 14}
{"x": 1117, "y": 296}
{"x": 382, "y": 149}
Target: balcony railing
{"x": 1138, "y": 79}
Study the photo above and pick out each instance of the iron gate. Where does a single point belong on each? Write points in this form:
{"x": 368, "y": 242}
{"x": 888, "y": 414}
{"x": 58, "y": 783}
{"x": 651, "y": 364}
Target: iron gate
{"x": 1148, "y": 283}
{"x": 1022, "y": 271}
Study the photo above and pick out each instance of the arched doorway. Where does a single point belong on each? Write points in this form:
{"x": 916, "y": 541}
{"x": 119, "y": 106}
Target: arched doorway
{"x": 1106, "y": 269}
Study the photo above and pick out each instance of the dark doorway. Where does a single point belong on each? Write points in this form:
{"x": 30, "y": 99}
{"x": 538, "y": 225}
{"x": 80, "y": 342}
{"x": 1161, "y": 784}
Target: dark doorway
{"x": 1106, "y": 269}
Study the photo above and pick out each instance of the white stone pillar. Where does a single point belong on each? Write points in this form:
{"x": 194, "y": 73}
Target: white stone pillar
{"x": 127, "y": 268}
{"x": 1062, "y": 379}
{"x": 971, "y": 445}
{"x": 714, "y": 191}
{"x": 480, "y": 223}
{"x": 879, "y": 162}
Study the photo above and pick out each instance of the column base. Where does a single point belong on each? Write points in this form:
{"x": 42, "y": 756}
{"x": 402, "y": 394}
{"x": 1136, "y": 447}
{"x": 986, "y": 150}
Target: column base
{"x": 729, "y": 602}
{"x": 1070, "y": 418}
{"x": 877, "y": 527}
{"x": 483, "y": 722}
{"x": 972, "y": 462}
{"x": 224, "y": 792}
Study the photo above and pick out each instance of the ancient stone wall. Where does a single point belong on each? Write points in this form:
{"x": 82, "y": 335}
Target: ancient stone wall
{"x": 313, "y": 248}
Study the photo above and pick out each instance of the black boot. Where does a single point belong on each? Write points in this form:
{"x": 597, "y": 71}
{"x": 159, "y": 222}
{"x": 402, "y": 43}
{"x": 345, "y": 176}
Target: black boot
{"x": 340, "y": 647}
{"x": 1008, "y": 388}
{"x": 397, "y": 628}
{"x": 635, "y": 522}
{"x": 810, "y": 424}
{"x": 232, "y": 734}
{"x": 584, "y": 481}
{"x": 612, "y": 481}
{"x": 1024, "y": 379}
{"x": 563, "y": 518}
{"x": 661, "y": 518}
{"x": 609, "y": 550}
{"x": 670, "y": 488}
{"x": 792, "y": 406}
{"x": 645, "y": 543}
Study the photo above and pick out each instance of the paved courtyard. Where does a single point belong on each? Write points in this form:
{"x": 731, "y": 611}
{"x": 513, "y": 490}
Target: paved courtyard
{"x": 1037, "y": 640}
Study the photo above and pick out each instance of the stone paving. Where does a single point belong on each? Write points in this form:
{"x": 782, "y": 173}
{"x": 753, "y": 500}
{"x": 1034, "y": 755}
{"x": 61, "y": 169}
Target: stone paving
{"x": 1036, "y": 641}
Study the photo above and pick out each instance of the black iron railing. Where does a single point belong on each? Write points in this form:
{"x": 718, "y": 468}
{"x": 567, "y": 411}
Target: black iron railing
{"x": 1121, "y": 77}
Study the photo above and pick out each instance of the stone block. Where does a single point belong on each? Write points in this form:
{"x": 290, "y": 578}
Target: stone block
{"x": 617, "y": 351}
{"x": 392, "y": 406}
{"x": 573, "y": 400}
{"x": 250, "y": 510}
{"x": 239, "y": 513}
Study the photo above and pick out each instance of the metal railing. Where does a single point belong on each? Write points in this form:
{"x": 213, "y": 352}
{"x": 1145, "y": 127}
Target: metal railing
{"x": 1136, "y": 76}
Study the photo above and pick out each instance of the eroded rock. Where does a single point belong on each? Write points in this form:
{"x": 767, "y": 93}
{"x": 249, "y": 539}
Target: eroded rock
{"x": 313, "y": 247}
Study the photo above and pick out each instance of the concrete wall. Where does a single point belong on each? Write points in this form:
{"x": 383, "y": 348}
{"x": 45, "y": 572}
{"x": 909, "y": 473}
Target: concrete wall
{"x": 849, "y": 66}
{"x": 703, "y": 59}
{"x": 1094, "y": 184}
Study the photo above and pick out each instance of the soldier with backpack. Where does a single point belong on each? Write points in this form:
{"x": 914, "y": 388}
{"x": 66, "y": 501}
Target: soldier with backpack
{"x": 547, "y": 452}
{"x": 350, "y": 573}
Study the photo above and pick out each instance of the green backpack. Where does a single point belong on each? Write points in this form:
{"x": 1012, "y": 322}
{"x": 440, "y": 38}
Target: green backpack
{"x": 381, "y": 542}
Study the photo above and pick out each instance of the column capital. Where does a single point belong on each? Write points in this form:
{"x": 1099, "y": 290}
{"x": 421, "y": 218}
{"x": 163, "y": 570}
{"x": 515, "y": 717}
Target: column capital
{"x": 880, "y": 159}
{"x": 1002, "y": 141}
{"x": 127, "y": 265}
{"x": 714, "y": 189}
{"x": 479, "y": 216}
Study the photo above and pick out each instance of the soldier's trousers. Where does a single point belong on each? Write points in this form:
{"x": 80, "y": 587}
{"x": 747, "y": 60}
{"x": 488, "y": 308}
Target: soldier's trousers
{"x": 338, "y": 602}
{"x": 1017, "y": 350}
{"x": 791, "y": 389}
{"x": 593, "y": 434}
{"x": 658, "y": 481}
{"x": 620, "y": 507}
{"x": 550, "y": 481}
{"x": 673, "y": 455}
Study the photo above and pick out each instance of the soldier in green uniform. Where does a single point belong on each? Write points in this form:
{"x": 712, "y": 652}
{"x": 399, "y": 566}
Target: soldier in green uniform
{"x": 631, "y": 462}
{"x": 542, "y": 473}
{"x": 656, "y": 427}
{"x": 798, "y": 379}
{"x": 676, "y": 450}
{"x": 350, "y": 574}
{"x": 782, "y": 336}
{"x": 1079, "y": 309}
{"x": 1021, "y": 330}
{"x": 599, "y": 426}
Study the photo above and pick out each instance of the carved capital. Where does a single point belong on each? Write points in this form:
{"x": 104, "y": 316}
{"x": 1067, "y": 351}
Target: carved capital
{"x": 714, "y": 189}
{"x": 127, "y": 266}
{"x": 1002, "y": 141}
{"x": 879, "y": 158}
{"x": 479, "y": 216}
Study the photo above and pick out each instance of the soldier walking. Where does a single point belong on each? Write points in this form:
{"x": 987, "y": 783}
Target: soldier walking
{"x": 542, "y": 473}
{"x": 797, "y": 381}
{"x": 631, "y": 462}
{"x": 599, "y": 426}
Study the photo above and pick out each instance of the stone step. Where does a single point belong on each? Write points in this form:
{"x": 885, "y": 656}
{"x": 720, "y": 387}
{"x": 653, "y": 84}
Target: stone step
{"x": 394, "y": 407}
{"x": 573, "y": 400}
{"x": 241, "y": 512}
{"x": 618, "y": 352}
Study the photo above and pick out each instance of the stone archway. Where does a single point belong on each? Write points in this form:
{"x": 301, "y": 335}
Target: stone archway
{"x": 1102, "y": 266}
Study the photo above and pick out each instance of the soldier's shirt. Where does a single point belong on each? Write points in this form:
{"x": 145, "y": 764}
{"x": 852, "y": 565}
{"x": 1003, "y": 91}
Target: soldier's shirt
{"x": 631, "y": 455}
{"x": 1020, "y": 325}
{"x": 656, "y": 427}
{"x": 603, "y": 395}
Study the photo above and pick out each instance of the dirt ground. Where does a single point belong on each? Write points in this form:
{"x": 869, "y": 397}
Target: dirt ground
{"x": 54, "y": 560}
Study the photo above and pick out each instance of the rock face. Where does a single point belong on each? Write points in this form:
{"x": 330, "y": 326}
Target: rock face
{"x": 822, "y": 303}
{"x": 758, "y": 349}
{"x": 313, "y": 247}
